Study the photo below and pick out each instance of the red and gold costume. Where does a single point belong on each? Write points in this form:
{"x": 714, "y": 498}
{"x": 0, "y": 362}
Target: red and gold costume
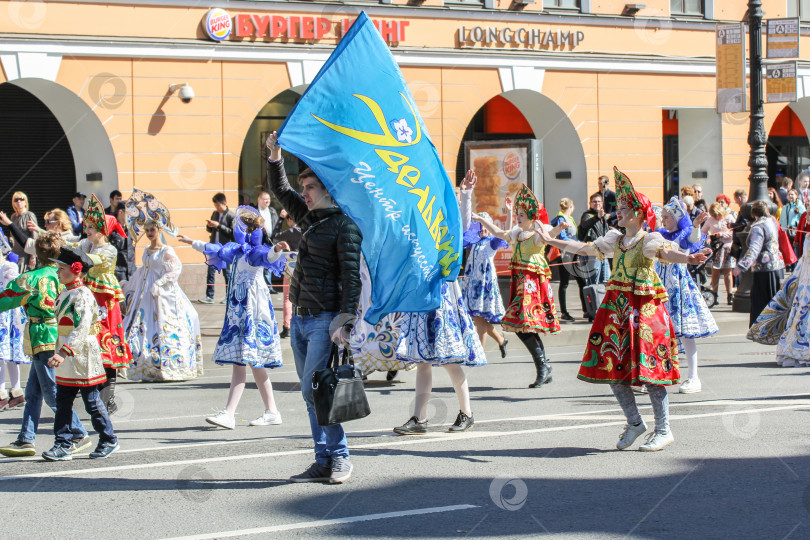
{"x": 632, "y": 339}
{"x": 104, "y": 285}
{"x": 531, "y": 301}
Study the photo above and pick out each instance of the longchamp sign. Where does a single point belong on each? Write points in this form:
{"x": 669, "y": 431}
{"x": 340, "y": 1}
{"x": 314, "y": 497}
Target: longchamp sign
{"x": 505, "y": 36}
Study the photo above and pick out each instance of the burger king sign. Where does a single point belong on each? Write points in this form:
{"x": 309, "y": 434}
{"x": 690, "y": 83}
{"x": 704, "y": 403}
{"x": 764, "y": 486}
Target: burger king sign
{"x": 217, "y": 24}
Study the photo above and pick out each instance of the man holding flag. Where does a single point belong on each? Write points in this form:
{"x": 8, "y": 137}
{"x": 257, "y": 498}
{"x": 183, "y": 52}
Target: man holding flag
{"x": 324, "y": 291}
{"x": 358, "y": 128}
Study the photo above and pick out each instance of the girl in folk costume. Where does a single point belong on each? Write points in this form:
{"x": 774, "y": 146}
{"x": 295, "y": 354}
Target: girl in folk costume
{"x": 531, "y": 307}
{"x": 687, "y": 309}
{"x": 444, "y": 337}
{"x": 250, "y": 334}
{"x": 785, "y": 321}
{"x": 162, "y": 326}
{"x": 632, "y": 339}
{"x": 104, "y": 285}
{"x": 12, "y": 326}
{"x": 481, "y": 292}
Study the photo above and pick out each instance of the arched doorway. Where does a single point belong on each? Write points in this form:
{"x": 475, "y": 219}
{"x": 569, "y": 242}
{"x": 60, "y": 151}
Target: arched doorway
{"x": 788, "y": 150}
{"x": 53, "y": 145}
{"x": 253, "y": 160}
{"x": 526, "y": 114}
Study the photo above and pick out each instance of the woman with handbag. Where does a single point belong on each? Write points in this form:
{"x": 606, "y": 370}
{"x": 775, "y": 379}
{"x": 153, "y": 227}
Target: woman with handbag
{"x": 763, "y": 258}
{"x": 791, "y": 215}
{"x": 249, "y": 334}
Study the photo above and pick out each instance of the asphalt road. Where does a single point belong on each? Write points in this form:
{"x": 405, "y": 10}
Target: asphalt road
{"x": 538, "y": 462}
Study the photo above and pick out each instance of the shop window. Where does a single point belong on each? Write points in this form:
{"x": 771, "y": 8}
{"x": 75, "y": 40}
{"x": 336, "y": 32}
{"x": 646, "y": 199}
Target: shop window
{"x": 687, "y": 7}
{"x": 561, "y": 4}
{"x": 799, "y": 8}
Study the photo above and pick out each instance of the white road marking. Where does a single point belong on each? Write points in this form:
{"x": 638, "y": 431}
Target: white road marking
{"x": 326, "y": 522}
{"x": 437, "y": 438}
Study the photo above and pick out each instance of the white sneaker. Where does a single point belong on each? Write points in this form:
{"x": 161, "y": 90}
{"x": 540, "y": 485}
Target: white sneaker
{"x": 222, "y": 419}
{"x": 690, "y": 386}
{"x": 640, "y": 389}
{"x": 657, "y": 441}
{"x": 267, "y": 419}
{"x": 630, "y": 434}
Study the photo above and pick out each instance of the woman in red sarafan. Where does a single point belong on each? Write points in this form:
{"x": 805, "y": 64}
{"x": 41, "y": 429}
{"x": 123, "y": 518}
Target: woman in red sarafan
{"x": 104, "y": 285}
{"x": 531, "y": 309}
{"x": 632, "y": 340}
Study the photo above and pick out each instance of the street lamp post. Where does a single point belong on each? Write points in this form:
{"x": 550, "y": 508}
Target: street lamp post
{"x": 757, "y": 138}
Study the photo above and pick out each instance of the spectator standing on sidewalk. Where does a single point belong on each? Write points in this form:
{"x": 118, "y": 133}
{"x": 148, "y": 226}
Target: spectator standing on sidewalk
{"x": 220, "y": 229}
{"x": 76, "y": 212}
{"x": 21, "y": 218}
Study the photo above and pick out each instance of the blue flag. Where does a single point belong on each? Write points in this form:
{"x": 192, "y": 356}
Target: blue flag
{"x": 358, "y": 128}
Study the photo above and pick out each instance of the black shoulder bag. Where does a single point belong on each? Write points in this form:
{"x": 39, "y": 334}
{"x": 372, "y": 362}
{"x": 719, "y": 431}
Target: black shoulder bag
{"x": 338, "y": 390}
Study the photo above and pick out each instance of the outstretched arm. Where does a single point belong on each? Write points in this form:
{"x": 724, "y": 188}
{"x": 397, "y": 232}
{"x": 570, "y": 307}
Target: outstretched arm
{"x": 491, "y": 227}
{"x": 678, "y": 256}
{"x": 579, "y": 248}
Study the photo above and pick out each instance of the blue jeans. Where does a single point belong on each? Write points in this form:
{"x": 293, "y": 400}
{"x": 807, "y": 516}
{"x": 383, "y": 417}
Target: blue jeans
{"x": 210, "y": 279}
{"x": 311, "y": 345}
{"x": 42, "y": 385}
{"x": 65, "y": 396}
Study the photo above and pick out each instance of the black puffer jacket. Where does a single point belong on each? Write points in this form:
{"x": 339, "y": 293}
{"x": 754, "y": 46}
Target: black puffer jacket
{"x": 327, "y": 273}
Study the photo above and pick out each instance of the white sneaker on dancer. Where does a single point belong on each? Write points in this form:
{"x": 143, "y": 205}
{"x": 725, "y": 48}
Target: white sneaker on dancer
{"x": 690, "y": 386}
{"x": 630, "y": 434}
{"x": 657, "y": 441}
{"x": 222, "y": 419}
{"x": 267, "y": 419}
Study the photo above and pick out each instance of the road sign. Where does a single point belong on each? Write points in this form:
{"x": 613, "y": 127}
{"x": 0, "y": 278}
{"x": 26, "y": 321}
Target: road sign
{"x": 730, "y": 68}
{"x": 783, "y": 38}
{"x": 780, "y": 84}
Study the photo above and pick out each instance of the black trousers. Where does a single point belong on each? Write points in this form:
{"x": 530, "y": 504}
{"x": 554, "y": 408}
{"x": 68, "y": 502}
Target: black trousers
{"x": 65, "y": 396}
{"x": 764, "y": 288}
{"x": 565, "y": 278}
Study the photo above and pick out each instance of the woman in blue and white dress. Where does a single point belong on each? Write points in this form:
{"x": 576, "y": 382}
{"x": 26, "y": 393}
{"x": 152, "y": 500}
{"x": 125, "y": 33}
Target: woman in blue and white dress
{"x": 480, "y": 289}
{"x": 250, "y": 334}
{"x": 161, "y": 326}
{"x": 785, "y": 322}
{"x": 690, "y": 315}
{"x": 12, "y": 325}
{"x": 444, "y": 337}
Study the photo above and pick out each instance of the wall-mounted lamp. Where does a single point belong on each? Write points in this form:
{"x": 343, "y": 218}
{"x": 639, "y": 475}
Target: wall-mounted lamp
{"x": 630, "y": 10}
{"x": 700, "y": 174}
{"x": 93, "y": 177}
{"x": 563, "y": 175}
{"x": 186, "y": 93}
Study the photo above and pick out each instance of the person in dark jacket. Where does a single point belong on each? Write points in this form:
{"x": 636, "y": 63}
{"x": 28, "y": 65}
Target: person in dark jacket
{"x": 325, "y": 293}
{"x": 220, "y": 228}
{"x": 125, "y": 262}
{"x": 594, "y": 224}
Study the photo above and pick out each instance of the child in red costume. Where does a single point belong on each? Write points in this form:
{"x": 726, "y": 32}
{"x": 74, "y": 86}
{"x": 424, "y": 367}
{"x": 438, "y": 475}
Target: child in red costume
{"x": 632, "y": 341}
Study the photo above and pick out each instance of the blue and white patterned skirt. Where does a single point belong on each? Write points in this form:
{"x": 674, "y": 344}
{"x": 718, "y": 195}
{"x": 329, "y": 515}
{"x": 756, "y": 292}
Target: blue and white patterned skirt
{"x": 12, "y": 326}
{"x": 690, "y": 315}
{"x": 444, "y": 336}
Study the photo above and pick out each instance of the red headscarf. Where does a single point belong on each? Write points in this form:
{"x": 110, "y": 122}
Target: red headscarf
{"x": 112, "y": 224}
